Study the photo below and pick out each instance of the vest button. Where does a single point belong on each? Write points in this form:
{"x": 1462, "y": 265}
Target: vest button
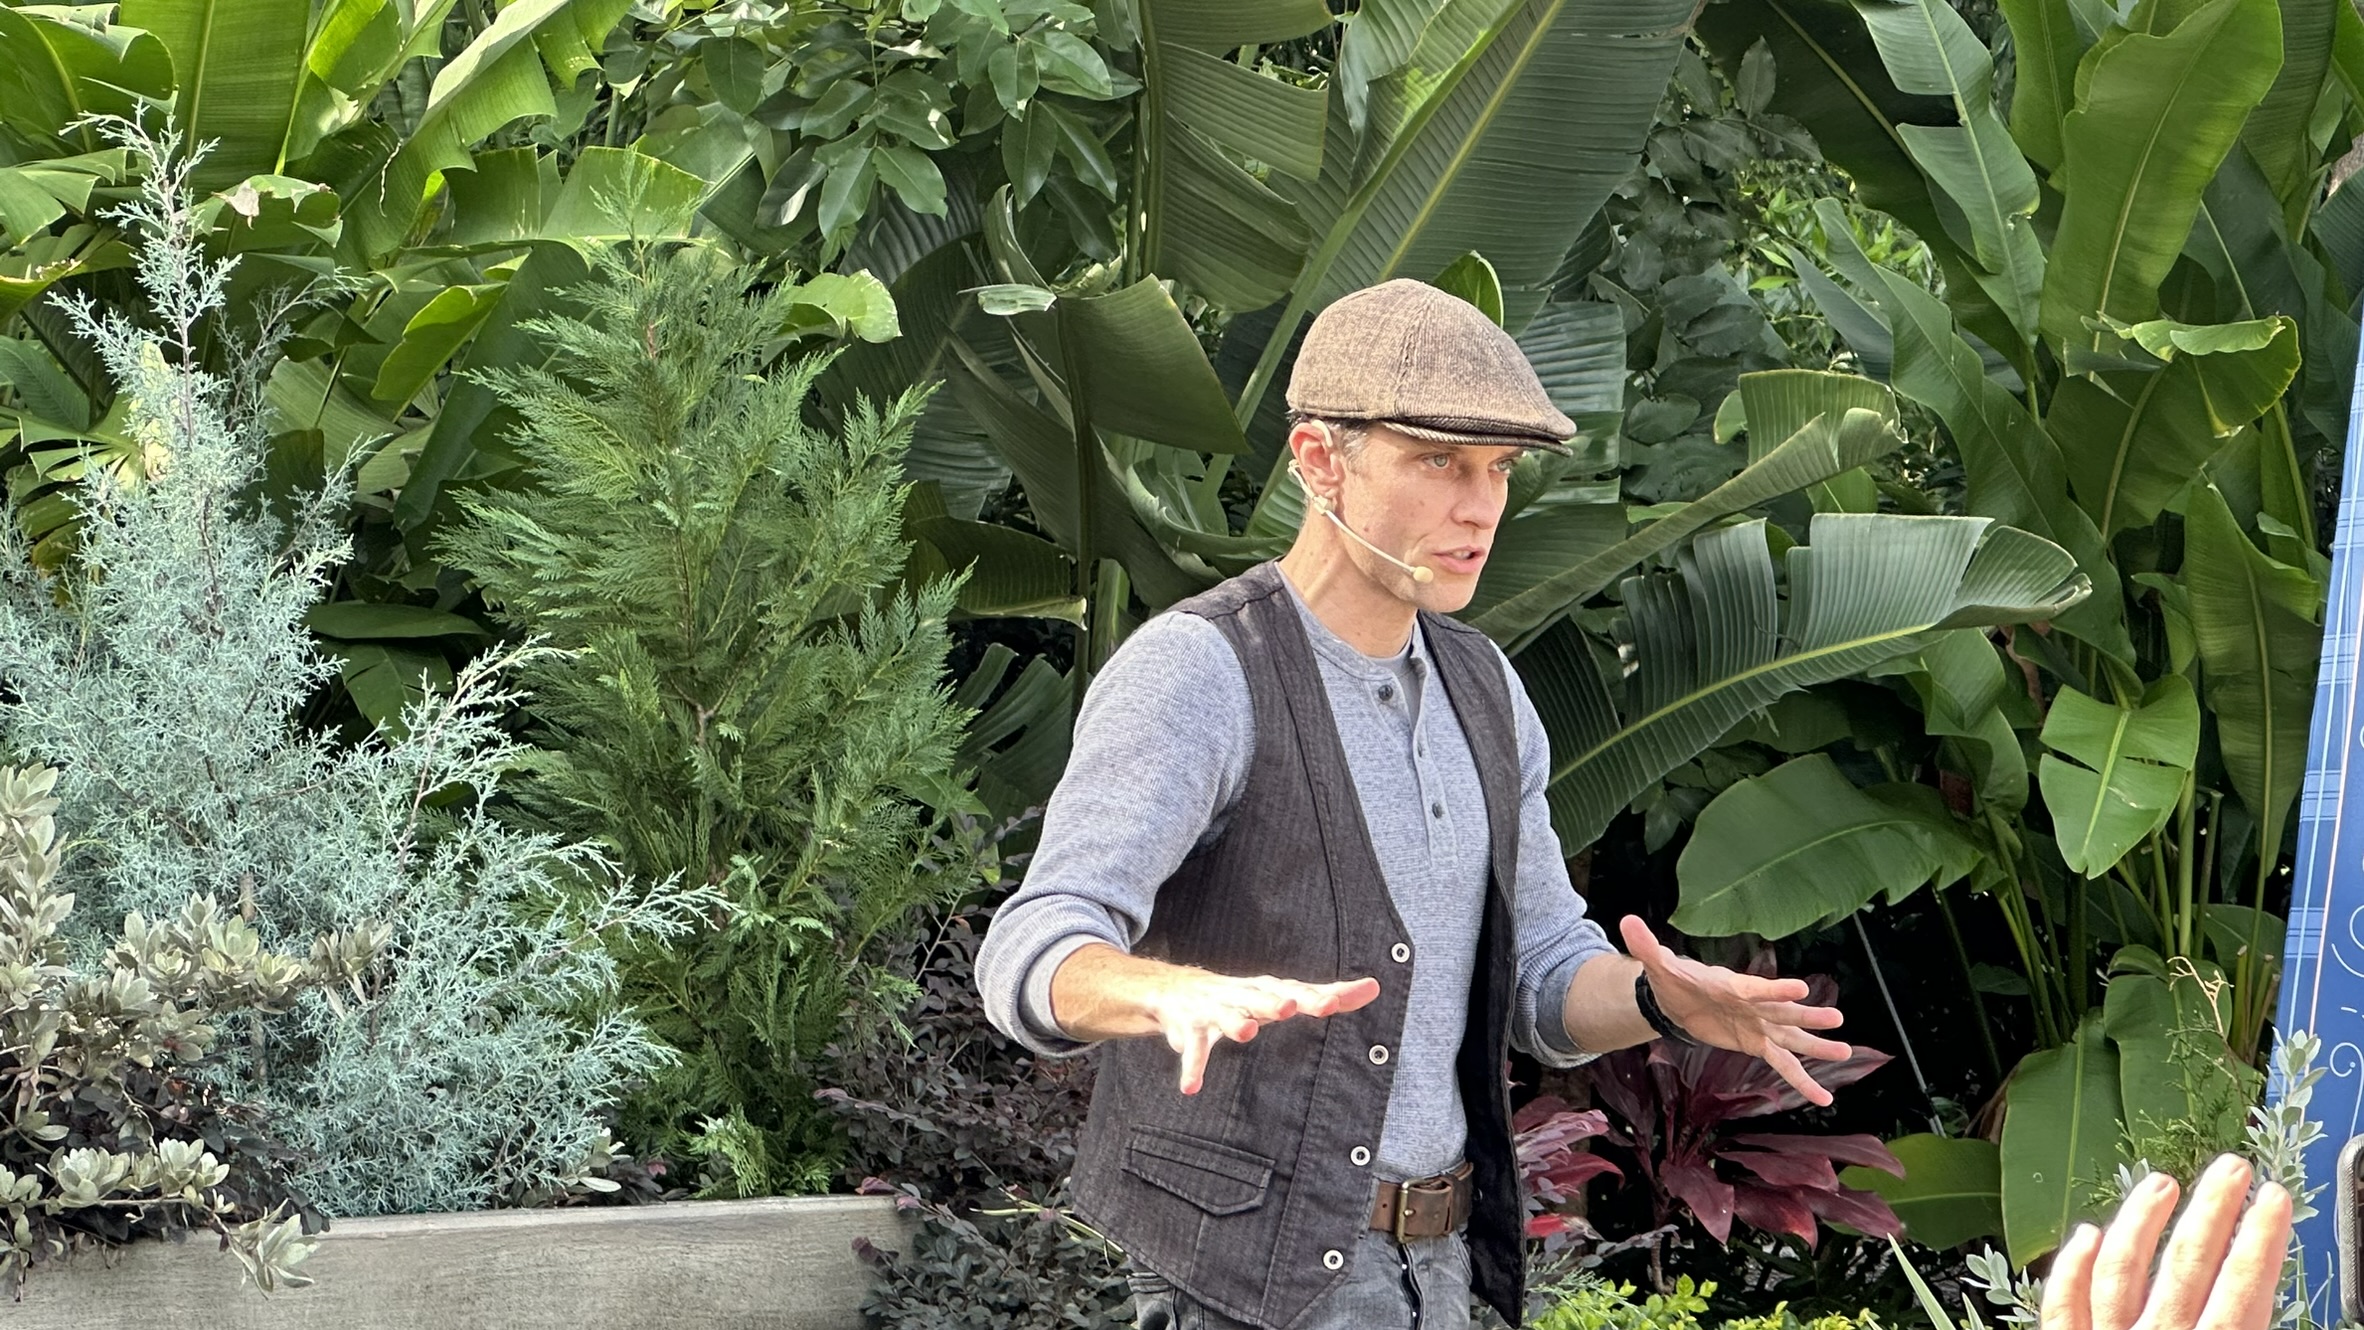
{"x": 1436, "y": 810}
{"x": 1378, "y": 1055}
{"x": 1401, "y": 952}
{"x": 1333, "y": 1259}
{"x": 1360, "y": 1154}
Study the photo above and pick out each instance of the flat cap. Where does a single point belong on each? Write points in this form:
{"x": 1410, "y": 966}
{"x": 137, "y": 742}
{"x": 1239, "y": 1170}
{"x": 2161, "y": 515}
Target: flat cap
{"x": 1427, "y": 363}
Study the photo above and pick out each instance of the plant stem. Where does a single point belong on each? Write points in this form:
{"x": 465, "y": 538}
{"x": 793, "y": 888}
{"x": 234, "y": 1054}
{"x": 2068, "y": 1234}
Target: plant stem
{"x": 1896, "y": 1018}
{"x": 2186, "y": 851}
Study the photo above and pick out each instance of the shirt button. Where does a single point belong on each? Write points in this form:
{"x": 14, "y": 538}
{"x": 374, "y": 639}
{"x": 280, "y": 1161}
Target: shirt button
{"x": 1333, "y": 1259}
{"x": 1378, "y": 1055}
{"x": 1360, "y": 1154}
{"x": 1436, "y": 810}
{"x": 1387, "y": 692}
{"x": 1401, "y": 952}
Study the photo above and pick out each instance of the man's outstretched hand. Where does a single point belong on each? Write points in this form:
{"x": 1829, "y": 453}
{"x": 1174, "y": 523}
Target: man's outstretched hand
{"x": 1764, "y": 1018}
{"x": 2219, "y": 1272}
{"x": 1103, "y": 993}
{"x": 1196, "y": 1010}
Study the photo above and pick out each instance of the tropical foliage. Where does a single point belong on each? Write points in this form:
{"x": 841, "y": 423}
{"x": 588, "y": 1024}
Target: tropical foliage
{"x": 806, "y": 398}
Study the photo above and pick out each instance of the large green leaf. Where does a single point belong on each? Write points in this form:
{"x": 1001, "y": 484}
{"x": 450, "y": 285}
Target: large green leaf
{"x": 2044, "y": 37}
{"x": 1504, "y": 144}
{"x": 2060, "y": 1139}
{"x": 1206, "y": 221}
{"x": 1777, "y": 403}
{"x": 1517, "y": 147}
{"x": 2279, "y": 133}
{"x": 1962, "y": 685}
{"x": 2014, "y": 470}
{"x": 2258, "y": 629}
{"x": 1833, "y": 82}
{"x": 1827, "y": 62}
{"x": 54, "y": 71}
{"x": 1830, "y": 444}
{"x": 1716, "y": 642}
{"x": 498, "y": 78}
{"x": 1080, "y": 501}
{"x": 1930, "y": 50}
{"x": 1801, "y": 846}
{"x": 2115, "y": 773}
{"x": 2132, "y": 441}
{"x": 2156, "y": 116}
{"x": 946, "y": 445}
{"x": 1144, "y": 372}
{"x": 1951, "y": 1191}
{"x": 238, "y": 63}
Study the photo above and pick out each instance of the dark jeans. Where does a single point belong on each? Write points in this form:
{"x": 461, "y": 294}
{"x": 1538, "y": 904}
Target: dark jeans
{"x": 1420, "y": 1285}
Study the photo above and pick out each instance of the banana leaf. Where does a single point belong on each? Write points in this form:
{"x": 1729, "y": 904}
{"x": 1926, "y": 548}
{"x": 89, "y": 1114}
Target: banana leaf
{"x": 1716, "y": 642}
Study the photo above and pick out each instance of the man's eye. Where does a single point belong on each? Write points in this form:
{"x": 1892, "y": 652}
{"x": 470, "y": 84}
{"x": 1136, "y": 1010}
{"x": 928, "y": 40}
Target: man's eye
{"x": 1438, "y": 461}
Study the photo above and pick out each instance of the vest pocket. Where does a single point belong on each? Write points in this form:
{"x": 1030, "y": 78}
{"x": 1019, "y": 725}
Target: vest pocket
{"x": 1215, "y": 1177}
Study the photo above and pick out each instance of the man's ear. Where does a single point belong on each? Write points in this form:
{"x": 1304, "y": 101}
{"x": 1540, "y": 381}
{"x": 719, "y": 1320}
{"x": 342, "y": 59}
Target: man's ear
{"x": 1321, "y": 463}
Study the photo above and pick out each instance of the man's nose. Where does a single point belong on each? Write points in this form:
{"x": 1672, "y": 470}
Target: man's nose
{"x": 1479, "y": 503}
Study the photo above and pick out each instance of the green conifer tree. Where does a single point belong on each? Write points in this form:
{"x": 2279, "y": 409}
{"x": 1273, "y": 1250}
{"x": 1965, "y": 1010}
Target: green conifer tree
{"x": 163, "y": 670}
{"x": 744, "y": 697}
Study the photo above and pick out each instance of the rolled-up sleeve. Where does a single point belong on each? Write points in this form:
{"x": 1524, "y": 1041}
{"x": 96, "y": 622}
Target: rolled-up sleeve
{"x": 1555, "y": 936}
{"x": 1160, "y": 755}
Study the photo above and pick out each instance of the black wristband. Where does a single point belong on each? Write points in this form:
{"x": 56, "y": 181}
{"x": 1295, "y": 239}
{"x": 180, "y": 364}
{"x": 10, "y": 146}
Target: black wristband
{"x": 1647, "y": 1001}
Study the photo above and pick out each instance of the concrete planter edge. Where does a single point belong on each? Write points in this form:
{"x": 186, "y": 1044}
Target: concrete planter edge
{"x": 781, "y": 1263}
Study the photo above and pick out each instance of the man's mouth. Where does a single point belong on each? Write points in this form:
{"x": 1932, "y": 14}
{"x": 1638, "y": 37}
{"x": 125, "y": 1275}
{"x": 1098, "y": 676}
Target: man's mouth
{"x": 1462, "y": 559}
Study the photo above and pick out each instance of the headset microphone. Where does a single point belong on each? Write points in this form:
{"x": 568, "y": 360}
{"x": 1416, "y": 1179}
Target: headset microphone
{"x": 1321, "y": 504}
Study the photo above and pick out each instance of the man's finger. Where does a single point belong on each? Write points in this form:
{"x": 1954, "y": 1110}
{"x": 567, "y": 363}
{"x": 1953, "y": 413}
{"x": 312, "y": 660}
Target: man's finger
{"x": 2193, "y": 1255}
{"x": 1808, "y": 1046}
{"x": 2121, "y": 1273}
{"x": 1195, "y": 1041}
{"x": 2243, "y": 1298}
{"x": 1784, "y": 1062}
{"x": 2068, "y": 1290}
{"x": 1643, "y": 944}
{"x": 1803, "y": 1015}
{"x": 1757, "y": 988}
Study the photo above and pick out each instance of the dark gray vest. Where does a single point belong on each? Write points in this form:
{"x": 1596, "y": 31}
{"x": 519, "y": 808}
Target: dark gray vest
{"x": 1238, "y": 1193}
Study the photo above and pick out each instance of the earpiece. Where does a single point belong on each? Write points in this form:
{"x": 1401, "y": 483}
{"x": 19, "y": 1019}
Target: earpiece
{"x": 1320, "y": 503}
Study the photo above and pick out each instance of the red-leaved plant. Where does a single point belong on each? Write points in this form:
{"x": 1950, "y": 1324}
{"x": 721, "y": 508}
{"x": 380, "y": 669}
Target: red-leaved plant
{"x": 1552, "y": 1169}
{"x": 1684, "y": 1112}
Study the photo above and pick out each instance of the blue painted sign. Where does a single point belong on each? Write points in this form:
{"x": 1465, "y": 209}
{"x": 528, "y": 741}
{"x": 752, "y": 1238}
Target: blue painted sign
{"x": 2323, "y": 978}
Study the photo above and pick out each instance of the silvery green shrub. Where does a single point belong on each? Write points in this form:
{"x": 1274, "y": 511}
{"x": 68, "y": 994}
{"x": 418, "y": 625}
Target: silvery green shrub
{"x": 163, "y": 670}
{"x": 108, "y": 1134}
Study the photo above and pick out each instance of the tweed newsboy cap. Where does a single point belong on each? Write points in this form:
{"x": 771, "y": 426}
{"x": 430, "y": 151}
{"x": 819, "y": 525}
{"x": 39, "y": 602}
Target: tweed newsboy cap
{"x": 1426, "y": 363}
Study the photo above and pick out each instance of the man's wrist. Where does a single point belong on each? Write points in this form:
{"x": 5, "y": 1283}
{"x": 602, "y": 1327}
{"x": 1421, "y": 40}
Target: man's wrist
{"x": 1646, "y": 1002}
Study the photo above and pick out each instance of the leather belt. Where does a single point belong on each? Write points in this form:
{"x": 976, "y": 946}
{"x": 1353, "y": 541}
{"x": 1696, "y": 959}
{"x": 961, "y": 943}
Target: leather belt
{"x": 1424, "y": 1207}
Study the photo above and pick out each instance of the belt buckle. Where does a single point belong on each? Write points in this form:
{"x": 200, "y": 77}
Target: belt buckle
{"x": 1403, "y": 1202}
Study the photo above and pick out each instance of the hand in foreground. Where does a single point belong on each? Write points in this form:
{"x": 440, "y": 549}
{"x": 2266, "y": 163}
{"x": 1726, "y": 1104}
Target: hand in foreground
{"x": 1196, "y": 1010}
{"x": 1764, "y": 1018}
{"x": 2219, "y": 1272}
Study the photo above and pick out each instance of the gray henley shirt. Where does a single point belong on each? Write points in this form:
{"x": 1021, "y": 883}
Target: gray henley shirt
{"x": 1161, "y": 755}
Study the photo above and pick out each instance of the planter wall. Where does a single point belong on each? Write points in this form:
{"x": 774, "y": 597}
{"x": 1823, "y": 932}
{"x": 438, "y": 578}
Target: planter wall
{"x": 778, "y": 1264}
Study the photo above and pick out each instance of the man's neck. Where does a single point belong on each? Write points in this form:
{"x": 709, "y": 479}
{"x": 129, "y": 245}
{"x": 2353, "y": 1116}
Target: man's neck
{"x": 1364, "y": 614}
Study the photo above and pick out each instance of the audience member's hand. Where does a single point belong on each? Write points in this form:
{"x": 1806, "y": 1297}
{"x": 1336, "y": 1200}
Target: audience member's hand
{"x": 2219, "y": 1271}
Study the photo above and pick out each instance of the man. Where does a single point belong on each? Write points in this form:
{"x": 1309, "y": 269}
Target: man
{"x": 1305, "y": 815}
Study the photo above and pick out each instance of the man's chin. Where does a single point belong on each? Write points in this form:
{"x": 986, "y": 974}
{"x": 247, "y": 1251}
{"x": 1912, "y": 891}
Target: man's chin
{"x": 1450, "y": 593}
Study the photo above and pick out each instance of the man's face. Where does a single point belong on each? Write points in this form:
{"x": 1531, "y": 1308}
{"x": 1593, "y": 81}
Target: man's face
{"x": 1432, "y": 504}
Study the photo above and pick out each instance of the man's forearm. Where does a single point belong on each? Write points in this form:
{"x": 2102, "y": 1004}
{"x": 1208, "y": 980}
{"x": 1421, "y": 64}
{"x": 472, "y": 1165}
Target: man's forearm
{"x": 1100, "y": 992}
{"x": 1600, "y": 1011}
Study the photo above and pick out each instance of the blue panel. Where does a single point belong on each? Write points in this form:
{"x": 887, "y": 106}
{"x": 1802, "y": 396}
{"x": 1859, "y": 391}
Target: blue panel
{"x": 2323, "y": 984}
